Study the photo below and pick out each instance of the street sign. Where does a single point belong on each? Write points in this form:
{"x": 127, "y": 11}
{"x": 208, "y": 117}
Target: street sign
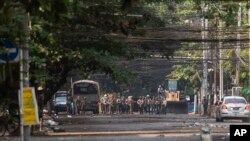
{"x": 8, "y": 50}
{"x": 29, "y": 106}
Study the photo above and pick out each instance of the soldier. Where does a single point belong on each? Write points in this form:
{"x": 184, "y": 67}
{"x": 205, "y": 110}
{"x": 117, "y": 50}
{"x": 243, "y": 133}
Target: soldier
{"x": 110, "y": 104}
{"x": 160, "y": 90}
{"x": 78, "y": 105}
{"x": 130, "y": 104}
{"x": 72, "y": 106}
{"x": 152, "y": 105}
{"x": 140, "y": 105}
{"x": 119, "y": 105}
{"x": 126, "y": 105}
{"x": 144, "y": 106}
{"x": 83, "y": 104}
{"x": 68, "y": 105}
{"x": 158, "y": 101}
{"x": 148, "y": 104}
{"x": 99, "y": 104}
{"x": 105, "y": 104}
{"x": 164, "y": 106}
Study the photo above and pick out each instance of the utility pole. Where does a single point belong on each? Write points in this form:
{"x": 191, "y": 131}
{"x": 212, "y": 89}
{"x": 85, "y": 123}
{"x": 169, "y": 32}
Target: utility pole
{"x": 215, "y": 63}
{"x": 204, "y": 25}
{"x": 24, "y": 70}
{"x": 221, "y": 92}
{"x": 237, "y": 76}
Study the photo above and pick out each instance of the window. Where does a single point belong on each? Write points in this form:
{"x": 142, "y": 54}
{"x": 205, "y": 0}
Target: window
{"x": 85, "y": 88}
{"x": 61, "y": 100}
{"x": 235, "y": 100}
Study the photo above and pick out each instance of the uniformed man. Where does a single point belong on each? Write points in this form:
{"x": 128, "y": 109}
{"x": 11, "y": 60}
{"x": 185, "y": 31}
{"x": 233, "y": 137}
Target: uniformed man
{"x": 118, "y": 105}
{"x": 140, "y": 105}
{"x": 78, "y": 105}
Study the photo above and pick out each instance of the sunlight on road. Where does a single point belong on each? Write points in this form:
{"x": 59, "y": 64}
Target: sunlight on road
{"x": 167, "y": 135}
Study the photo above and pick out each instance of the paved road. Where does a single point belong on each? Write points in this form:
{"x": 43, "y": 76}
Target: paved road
{"x": 171, "y": 127}
{"x": 139, "y": 137}
{"x": 141, "y": 123}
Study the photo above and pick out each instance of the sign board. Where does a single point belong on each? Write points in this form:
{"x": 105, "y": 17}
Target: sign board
{"x": 29, "y": 107}
{"x": 8, "y": 50}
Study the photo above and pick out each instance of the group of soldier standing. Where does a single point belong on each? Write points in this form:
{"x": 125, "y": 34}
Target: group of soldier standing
{"x": 111, "y": 104}
{"x": 156, "y": 104}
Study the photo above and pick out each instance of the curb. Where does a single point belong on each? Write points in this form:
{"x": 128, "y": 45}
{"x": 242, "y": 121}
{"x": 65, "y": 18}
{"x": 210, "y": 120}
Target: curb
{"x": 102, "y": 133}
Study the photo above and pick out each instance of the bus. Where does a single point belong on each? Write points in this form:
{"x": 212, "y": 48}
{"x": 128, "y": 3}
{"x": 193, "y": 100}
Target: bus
{"x": 89, "y": 93}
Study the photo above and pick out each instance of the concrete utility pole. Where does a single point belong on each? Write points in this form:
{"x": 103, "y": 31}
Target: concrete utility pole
{"x": 237, "y": 76}
{"x": 24, "y": 70}
{"x": 204, "y": 25}
{"x": 215, "y": 62}
{"x": 221, "y": 93}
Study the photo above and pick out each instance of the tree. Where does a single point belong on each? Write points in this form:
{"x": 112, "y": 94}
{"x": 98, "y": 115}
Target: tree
{"x": 72, "y": 34}
{"x": 226, "y": 12}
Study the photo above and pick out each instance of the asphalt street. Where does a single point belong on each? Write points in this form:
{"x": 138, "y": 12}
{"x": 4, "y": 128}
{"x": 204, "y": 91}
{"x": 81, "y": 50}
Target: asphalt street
{"x": 170, "y": 127}
{"x": 139, "y": 137}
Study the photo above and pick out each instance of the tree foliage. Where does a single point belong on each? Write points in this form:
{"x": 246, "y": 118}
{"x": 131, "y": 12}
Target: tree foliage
{"x": 70, "y": 35}
{"x": 225, "y": 12}
{"x": 89, "y": 36}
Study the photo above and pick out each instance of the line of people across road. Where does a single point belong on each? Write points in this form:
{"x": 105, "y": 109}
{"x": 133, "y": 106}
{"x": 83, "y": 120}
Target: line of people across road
{"x": 110, "y": 104}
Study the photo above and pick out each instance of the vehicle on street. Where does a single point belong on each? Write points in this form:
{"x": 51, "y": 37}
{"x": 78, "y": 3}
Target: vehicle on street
{"x": 233, "y": 107}
{"x": 176, "y": 100}
{"x": 88, "y": 91}
{"x": 60, "y": 101}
